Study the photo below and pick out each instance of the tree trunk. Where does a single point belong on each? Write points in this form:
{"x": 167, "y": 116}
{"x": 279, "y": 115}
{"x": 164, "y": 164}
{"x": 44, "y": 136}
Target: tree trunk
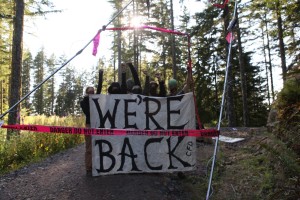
{"x": 243, "y": 76}
{"x": 215, "y": 67}
{"x": 115, "y": 59}
{"x": 266, "y": 65}
{"x": 135, "y": 39}
{"x": 15, "y": 83}
{"x": 269, "y": 58}
{"x": 281, "y": 43}
{"x": 119, "y": 57}
{"x": 173, "y": 42}
{"x": 164, "y": 61}
{"x": 229, "y": 97}
{"x": 1, "y": 96}
{"x": 52, "y": 95}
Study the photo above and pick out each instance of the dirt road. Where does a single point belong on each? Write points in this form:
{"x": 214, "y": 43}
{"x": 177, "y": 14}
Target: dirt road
{"x": 62, "y": 176}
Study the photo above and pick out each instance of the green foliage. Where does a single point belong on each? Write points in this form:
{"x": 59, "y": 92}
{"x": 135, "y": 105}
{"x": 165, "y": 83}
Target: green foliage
{"x": 31, "y": 146}
{"x": 290, "y": 93}
{"x": 69, "y": 93}
{"x": 256, "y": 90}
{"x": 260, "y": 168}
{"x": 6, "y": 19}
{"x": 207, "y": 64}
{"x": 49, "y": 92}
{"x": 284, "y": 168}
{"x": 39, "y": 74}
{"x": 25, "y": 77}
{"x": 288, "y": 107}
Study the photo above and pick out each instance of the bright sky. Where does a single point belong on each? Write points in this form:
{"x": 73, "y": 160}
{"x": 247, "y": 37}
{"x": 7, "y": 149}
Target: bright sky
{"x": 68, "y": 32}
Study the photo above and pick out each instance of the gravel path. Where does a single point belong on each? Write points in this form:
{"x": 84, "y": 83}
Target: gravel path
{"x": 62, "y": 176}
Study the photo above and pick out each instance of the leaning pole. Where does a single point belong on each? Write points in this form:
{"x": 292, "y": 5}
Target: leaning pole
{"x": 229, "y": 29}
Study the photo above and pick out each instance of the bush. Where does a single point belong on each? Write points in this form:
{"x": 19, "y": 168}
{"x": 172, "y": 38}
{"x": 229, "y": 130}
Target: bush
{"x": 288, "y": 106}
{"x": 290, "y": 93}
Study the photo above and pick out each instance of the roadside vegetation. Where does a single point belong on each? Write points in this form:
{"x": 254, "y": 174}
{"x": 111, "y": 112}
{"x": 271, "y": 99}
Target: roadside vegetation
{"x": 264, "y": 166}
{"x": 29, "y": 147}
{"x": 267, "y": 166}
{"x": 261, "y": 168}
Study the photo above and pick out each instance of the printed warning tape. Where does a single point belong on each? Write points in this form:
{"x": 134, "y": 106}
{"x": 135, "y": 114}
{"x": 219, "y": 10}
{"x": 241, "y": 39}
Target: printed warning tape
{"x": 111, "y": 132}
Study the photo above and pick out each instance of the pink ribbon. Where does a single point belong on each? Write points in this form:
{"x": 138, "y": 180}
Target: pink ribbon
{"x": 96, "y": 41}
{"x": 229, "y": 37}
{"x": 222, "y": 6}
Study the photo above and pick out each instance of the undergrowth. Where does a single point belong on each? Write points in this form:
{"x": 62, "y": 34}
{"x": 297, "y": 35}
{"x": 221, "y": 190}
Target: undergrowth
{"x": 28, "y": 147}
{"x": 262, "y": 168}
{"x": 288, "y": 112}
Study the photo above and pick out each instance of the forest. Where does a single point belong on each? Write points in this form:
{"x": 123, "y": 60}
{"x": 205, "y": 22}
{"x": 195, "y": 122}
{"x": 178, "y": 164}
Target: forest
{"x": 266, "y": 37}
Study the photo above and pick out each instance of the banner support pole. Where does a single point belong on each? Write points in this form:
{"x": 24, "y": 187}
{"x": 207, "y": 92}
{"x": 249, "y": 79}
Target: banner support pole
{"x": 222, "y": 106}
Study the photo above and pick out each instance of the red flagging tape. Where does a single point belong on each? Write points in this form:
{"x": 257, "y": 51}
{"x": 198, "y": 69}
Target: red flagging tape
{"x": 147, "y": 27}
{"x": 222, "y": 6}
{"x": 116, "y": 132}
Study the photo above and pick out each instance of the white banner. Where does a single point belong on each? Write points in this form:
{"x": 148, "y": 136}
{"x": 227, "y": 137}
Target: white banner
{"x": 142, "y": 112}
{"x": 138, "y": 154}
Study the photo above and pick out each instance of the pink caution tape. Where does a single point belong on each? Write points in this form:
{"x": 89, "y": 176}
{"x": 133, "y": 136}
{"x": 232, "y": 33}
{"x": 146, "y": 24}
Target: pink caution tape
{"x": 116, "y": 132}
{"x": 96, "y": 39}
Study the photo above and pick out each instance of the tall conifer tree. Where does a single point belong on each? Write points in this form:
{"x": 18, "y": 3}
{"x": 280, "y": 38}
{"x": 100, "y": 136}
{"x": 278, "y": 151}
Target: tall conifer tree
{"x": 16, "y": 63}
{"x": 39, "y": 74}
{"x": 26, "y": 78}
{"x": 49, "y": 88}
